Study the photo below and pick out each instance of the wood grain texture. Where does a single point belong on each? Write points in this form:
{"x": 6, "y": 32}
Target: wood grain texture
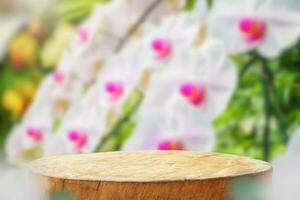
{"x": 148, "y": 175}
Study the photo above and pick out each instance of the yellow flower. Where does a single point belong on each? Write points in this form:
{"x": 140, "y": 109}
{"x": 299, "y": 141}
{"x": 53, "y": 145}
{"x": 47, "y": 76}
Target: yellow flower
{"x": 14, "y": 102}
{"x": 22, "y": 50}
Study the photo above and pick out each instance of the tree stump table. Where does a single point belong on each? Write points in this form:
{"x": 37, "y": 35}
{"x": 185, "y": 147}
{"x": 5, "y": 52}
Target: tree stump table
{"x": 147, "y": 175}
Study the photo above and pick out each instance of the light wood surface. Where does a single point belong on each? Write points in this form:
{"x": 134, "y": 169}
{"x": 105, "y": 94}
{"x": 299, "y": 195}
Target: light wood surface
{"x": 147, "y": 174}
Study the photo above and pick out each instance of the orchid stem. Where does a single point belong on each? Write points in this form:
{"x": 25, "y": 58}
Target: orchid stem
{"x": 119, "y": 124}
{"x": 278, "y": 111}
{"x": 267, "y": 110}
{"x": 139, "y": 22}
{"x": 247, "y": 66}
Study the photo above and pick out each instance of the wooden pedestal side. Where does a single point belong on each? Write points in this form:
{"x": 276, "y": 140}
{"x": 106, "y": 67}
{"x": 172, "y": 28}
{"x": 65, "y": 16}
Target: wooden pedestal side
{"x": 148, "y": 175}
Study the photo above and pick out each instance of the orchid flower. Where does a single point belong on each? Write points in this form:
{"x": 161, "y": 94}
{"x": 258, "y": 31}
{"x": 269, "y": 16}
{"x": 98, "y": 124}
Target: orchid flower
{"x": 268, "y": 26}
{"x": 24, "y": 143}
{"x": 87, "y": 31}
{"x": 58, "y": 93}
{"x": 171, "y": 128}
{"x": 203, "y": 78}
{"x": 174, "y": 32}
{"x": 117, "y": 80}
{"x": 52, "y": 100}
{"x": 104, "y": 27}
{"x": 120, "y": 75}
{"x": 97, "y": 38}
{"x": 79, "y": 66}
{"x": 29, "y": 134}
{"x": 80, "y": 130}
{"x": 183, "y": 99}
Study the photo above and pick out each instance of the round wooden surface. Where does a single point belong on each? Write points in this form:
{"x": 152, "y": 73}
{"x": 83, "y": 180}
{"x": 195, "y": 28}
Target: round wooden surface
{"x": 147, "y": 166}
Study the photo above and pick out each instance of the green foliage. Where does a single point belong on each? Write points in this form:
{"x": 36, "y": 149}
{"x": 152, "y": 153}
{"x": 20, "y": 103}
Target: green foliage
{"x": 240, "y": 128}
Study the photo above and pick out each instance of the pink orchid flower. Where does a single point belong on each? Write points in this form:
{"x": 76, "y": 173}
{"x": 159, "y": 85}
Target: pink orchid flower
{"x": 78, "y": 138}
{"x": 170, "y": 144}
{"x": 114, "y": 89}
{"x": 35, "y": 134}
{"x": 162, "y": 48}
{"x": 266, "y": 26}
{"x": 253, "y": 29}
{"x": 58, "y": 76}
{"x": 194, "y": 93}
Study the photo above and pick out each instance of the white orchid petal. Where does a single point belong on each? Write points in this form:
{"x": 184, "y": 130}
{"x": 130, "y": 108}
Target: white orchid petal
{"x": 199, "y": 138}
{"x": 145, "y": 135}
{"x": 13, "y": 147}
{"x": 270, "y": 47}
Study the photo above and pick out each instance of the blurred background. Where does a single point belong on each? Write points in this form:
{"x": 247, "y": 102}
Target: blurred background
{"x": 261, "y": 118}
{"x": 33, "y": 34}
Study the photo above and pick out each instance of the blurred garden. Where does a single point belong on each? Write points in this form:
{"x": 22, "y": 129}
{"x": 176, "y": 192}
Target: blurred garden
{"x": 98, "y": 75}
